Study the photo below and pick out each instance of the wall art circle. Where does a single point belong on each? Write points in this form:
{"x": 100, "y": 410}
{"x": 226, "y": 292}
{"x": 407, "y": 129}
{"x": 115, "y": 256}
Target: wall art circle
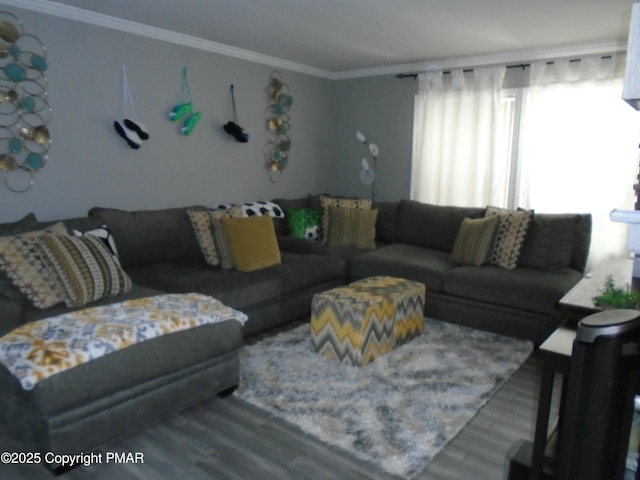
{"x": 24, "y": 107}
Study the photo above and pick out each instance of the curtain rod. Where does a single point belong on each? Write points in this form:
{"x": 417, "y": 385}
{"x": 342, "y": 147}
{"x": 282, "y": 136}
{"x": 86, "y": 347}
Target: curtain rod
{"x": 402, "y": 76}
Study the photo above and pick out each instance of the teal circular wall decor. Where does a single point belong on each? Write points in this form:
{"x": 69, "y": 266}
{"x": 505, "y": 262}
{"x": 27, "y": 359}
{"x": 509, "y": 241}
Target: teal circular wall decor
{"x": 279, "y": 102}
{"x": 24, "y": 108}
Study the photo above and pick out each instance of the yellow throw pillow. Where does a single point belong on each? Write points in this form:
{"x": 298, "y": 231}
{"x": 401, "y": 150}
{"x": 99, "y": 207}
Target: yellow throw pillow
{"x": 253, "y": 242}
{"x": 352, "y": 227}
{"x": 474, "y": 240}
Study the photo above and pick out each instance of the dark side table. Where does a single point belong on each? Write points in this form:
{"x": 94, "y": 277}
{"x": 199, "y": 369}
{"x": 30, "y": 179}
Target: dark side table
{"x": 556, "y": 358}
{"x": 578, "y": 302}
{"x": 556, "y": 350}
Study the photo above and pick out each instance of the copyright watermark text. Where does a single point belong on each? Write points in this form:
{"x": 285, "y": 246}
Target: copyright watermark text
{"x": 71, "y": 460}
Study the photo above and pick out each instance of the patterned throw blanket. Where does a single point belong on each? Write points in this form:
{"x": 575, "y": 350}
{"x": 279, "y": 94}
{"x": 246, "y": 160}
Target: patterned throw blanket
{"x": 37, "y": 350}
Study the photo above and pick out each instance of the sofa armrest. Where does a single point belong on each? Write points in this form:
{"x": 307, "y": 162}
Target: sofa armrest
{"x": 300, "y": 245}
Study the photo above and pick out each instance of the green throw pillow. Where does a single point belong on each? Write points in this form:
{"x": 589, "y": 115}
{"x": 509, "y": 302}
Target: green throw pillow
{"x": 474, "y": 240}
{"x": 304, "y": 222}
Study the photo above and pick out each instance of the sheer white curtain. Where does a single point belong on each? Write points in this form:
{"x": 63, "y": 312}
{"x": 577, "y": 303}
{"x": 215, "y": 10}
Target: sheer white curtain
{"x": 460, "y": 139}
{"x": 578, "y": 148}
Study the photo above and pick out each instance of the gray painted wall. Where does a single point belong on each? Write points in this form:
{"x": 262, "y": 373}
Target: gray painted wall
{"x": 90, "y": 165}
{"x": 382, "y": 109}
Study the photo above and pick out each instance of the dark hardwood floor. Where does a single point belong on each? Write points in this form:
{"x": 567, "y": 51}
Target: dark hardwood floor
{"x": 225, "y": 438}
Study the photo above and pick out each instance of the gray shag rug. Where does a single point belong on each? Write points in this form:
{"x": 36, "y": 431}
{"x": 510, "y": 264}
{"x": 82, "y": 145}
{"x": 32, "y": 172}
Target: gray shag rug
{"x": 399, "y": 411}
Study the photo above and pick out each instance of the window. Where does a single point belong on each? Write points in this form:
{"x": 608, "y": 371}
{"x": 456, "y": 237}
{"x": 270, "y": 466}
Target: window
{"x": 564, "y": 143}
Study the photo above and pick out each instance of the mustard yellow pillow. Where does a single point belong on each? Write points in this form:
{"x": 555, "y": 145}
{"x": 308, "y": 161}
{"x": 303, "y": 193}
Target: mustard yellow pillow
{"x": 253, "y": 242}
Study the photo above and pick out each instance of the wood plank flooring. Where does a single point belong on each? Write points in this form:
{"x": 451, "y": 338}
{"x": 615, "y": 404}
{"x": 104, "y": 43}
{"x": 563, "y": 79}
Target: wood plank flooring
{"x": 225, "y": 438}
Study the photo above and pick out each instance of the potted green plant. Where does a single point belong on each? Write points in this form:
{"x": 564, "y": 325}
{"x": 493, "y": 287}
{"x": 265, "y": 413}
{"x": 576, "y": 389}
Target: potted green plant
{"x": 613, "y": 296}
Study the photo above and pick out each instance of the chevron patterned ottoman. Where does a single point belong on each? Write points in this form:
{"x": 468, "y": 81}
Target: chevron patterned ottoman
{"x": 367, "y": 318}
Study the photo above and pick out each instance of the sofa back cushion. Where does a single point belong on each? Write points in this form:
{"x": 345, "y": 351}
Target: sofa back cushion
{"x": 145, "y": 237}
{"x": 582, "y": 242}
{"x": 386, "y": 221}
{"x": 557, "y": 242}
{"x": 431, "y": 226}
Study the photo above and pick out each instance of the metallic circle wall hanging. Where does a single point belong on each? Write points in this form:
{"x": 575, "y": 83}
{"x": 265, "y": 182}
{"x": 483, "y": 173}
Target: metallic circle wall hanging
{"x": 279, "y": 102}
{"x": 24, "y": 109}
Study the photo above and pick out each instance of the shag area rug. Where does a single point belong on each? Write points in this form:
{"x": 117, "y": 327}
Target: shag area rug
{"x": 399, "y": 411}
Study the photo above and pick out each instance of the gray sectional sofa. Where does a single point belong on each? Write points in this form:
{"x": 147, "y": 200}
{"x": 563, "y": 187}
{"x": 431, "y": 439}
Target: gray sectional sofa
{"x": 88, "y": 405}
{"x": 414, "y": 241}
{"x": 91, "y": 404}
{"x": 519, "y": 302}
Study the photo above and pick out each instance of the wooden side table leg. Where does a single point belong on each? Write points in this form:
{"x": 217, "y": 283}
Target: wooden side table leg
{"x": 542, "y": 421}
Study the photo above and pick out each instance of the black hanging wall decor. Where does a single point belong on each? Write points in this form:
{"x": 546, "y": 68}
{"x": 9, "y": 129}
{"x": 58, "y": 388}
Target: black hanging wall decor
{"x": 233, "y": 128}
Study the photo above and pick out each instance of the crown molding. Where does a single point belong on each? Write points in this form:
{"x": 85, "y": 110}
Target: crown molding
{"x": 504, "y": 58}
{"x": 51, "y": 7}
{"x": 73, "y": 13}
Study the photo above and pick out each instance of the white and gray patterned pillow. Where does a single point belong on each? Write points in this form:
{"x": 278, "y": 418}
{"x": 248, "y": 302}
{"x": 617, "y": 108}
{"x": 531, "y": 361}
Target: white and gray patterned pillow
{"x": 255, "y": 209}
{"x": 104, "y": 234}
{"x": 21, "y": 261}
{"x": 83, "y": 267}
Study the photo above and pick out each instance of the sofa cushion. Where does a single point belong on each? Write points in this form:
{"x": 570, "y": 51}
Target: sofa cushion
{"x": 510, "y": 237}
{"x": 281, "y": 224}
{"x": 7, "y": 288}
{"x": 421, "y": 264}
{"x": 220, "y": 238}
{"x": 326, "y": 202}
{"x": 12, "y": 315}
{"x": 352, "y": 227}
{"x": 84, "y": 268}
{"x": 20, "y": 260}
{"x": 231, "y": 287}
{"x": 431, "y": 226}
{"x": 137, "y": 291}
{"x": 474, "y": 241}
{"x": 582, "y": 242}
{"x": 386, "y": 221}
{"x": 254, "y": 209}
{"x": 526, "y": 289}
{"x": 26, "y": 223}
{"x": 150, "y": 236}
{"x": 549, "y": 242}
{"x": 304, "y": 222}
{"x": 302, "y": 271}
{"x": 201, "y": 223}
{"x": 253, "y": 242}
{"x": 148, "y": 361}
{"x": 104, "y": 234}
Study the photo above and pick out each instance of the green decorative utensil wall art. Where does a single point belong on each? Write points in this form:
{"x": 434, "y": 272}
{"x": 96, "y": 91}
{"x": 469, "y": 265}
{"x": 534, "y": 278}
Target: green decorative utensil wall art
{"x": 24, "y": 109}
{"x": 184, "y": 108}
{"x": 279, "y": 102}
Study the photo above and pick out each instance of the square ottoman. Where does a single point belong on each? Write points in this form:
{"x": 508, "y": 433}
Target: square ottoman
{"x": 358, "y": 322}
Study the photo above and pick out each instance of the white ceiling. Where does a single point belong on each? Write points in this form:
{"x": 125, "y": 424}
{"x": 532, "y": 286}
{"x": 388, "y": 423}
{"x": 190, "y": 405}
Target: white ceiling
{"x": 350, "y": 35}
